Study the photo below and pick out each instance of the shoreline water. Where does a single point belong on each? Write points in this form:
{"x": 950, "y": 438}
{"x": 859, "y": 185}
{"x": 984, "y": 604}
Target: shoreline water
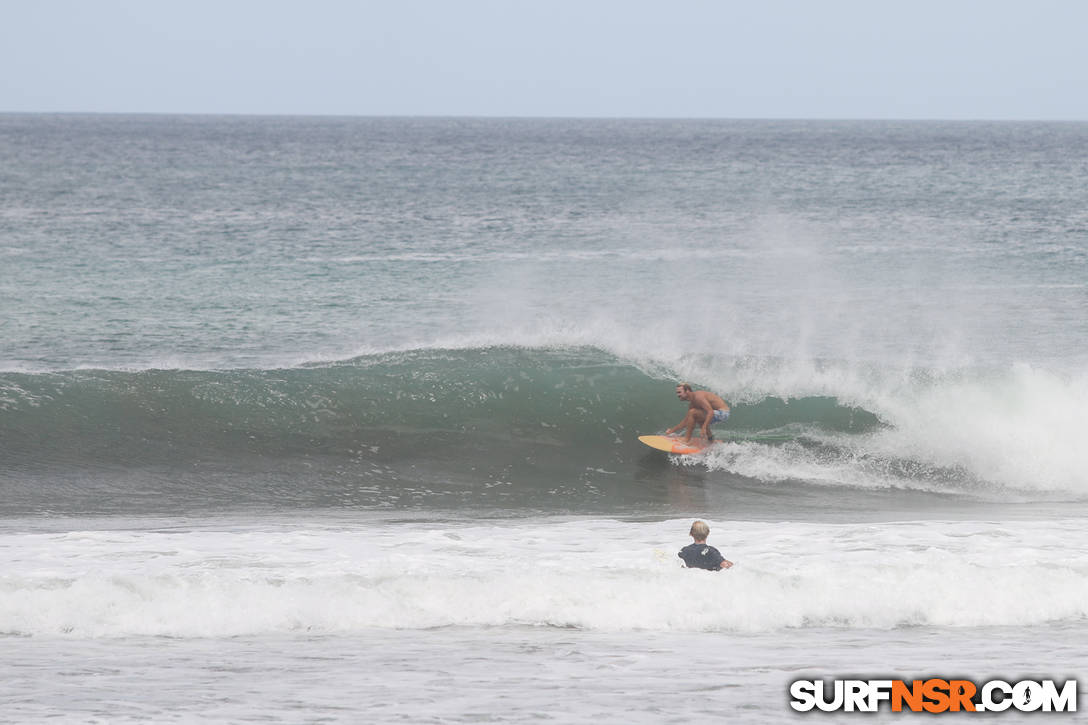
{"x": 465, "y": 675}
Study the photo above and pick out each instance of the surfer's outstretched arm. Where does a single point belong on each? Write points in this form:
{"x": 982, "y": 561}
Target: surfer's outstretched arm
{"x": 688, "y": 422}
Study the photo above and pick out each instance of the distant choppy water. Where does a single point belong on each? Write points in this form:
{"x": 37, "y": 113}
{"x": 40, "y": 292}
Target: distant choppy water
{"x": 280, "y": 388}
{"x": 211, "y": 242}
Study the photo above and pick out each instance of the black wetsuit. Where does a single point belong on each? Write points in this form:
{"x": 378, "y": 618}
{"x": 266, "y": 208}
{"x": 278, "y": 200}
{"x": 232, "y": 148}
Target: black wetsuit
{"x": 702, "y": 556}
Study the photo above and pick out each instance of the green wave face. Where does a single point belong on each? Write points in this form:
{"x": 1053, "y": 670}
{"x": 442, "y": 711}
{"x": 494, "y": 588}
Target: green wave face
{"x": 580, "y": 399}
{"x": 506, "y": 427}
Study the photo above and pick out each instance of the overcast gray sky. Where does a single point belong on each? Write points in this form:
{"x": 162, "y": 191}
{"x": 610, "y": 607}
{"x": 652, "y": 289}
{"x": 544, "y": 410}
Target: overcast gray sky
{"x": 967, "y": 59}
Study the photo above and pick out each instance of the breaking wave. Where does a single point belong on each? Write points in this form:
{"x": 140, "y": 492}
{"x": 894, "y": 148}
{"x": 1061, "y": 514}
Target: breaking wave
{"x": 527, "y": 423}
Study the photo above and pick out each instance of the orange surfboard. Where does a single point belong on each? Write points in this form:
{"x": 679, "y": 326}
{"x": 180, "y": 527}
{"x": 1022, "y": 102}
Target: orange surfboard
{"x": 676, "y": 445}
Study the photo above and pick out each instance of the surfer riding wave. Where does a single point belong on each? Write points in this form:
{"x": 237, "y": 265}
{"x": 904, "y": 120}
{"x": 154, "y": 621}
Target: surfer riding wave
{"x": 704, "y": 409}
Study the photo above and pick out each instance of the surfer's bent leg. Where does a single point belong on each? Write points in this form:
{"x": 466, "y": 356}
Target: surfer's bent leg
{"x": 720, "y": 416}
{"x": 695, "y": 418}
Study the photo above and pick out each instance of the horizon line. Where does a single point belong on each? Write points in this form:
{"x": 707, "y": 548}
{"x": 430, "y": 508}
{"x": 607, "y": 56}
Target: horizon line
{"x": 528, "y": 117}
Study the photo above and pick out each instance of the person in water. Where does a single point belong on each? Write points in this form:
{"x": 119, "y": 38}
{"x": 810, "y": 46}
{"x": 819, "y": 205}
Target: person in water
{"x": 702, "y": 555}
{"x": 704, "y": 409}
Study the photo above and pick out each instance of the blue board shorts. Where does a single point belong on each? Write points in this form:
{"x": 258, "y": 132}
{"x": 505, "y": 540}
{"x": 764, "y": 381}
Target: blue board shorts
{"x": 720, "y": 416}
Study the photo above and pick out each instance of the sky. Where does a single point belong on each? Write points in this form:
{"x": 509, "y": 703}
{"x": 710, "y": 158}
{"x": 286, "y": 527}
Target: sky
{"x": 843, "y": 59}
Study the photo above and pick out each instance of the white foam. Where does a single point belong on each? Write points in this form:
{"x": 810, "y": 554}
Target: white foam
{"x": 596, "y": 575}
{"x": 1021, "y": 427}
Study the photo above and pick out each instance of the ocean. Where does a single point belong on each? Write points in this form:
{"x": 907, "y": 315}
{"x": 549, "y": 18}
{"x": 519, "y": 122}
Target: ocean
{"x": 336, "y": 419}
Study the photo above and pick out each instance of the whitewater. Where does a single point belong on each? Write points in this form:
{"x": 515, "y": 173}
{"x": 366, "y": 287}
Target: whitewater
{"x": 336, "y": 419}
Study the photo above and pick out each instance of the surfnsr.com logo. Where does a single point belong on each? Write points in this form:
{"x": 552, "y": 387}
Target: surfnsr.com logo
{"x": 933, "y": 695}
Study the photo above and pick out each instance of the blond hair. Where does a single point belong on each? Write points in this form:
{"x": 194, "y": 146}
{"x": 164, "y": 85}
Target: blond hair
{"x": 699, "y": 531}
